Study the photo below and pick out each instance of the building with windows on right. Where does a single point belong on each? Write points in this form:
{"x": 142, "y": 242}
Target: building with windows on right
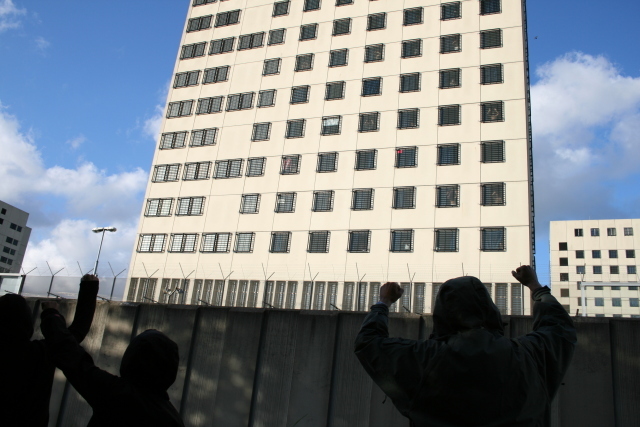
{"x": 14, "y": 236}
{"x": 595, "y": 261}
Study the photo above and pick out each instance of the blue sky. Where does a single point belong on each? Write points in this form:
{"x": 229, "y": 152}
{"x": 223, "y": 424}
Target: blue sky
{"x": 83, "y": 84}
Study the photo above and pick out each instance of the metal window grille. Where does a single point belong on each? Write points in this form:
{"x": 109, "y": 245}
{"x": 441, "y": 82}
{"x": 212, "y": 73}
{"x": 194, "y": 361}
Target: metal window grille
{"x": 280, "y": 241}
{"x": 231, "y": 293}
{"x": 227, "y": 18}
{"x": 292, "y": 288}
{"x": 216, "y": 75}
{"x": 255, "y": 166}
{"x": 159, "y": 207}
{"x": 494, "y": 239}
{"x": 331, "y": 125}
{"x": 369, "y": 122}
{"x": 201, "y": 2}
{"x": 418, "y": 298}
{"x": 402, "y": 241}
{"x": 222, "y": 45}
{"x": 343, "y": 2}
{"x": 308, "y": 32}
{"x": 490, "y": 39}
{"x": 323, "y": 201}
{"x": 596, "y": 254}
{"x": 362, "y": 296}
{"x": 449, "y": 115}
{"x": 276, "y": 36}
{"x": 493, "y": 152}
{"x": 304, "y": 62}
{"x": 410, "y": 82}
{"x": 362, "y": 199}
{"x": 311, "y": 5}
{"x": 281, "y": 8}
{"x": 372, "y": 86}
{"x": 218, "y": 290}
{"x": 335, "y": 90}
{"x": 193, "y": 50}
{"x": 290, "y": 165}
{"x": 338, "y": 58}
{"x": 341, "y": 26}
{"x": 449, "y": 154}
{"x": 376, "y": 21}
{"x": 210, "y": 105}
{"x": 319, "y": 241}
{"x": 172, "y": 140}
{"x": 597, "y": 269}
{"x": 295, "y": 128}
{"x": 347, "y": 296}
{"x": 267, "y": 98}
{"x": 450, "y": 11}
{"x": 374, "y": 53}
{"x": 228, "y": 168}
{"x": 240, "y": 101}
{"x": 199, "y": 170}
{"x": 299, "y": 94}
{"x": 412, "y": 16}
{"x": 450, "y": 78}
{"x": 631, "y": 269}
{"x": 199, "y": 23}
{"x": 278, "y": 300}
{"x": 406, "y": 157}
{"x": 202, "y": 137}
{"x": 451, "y": 43}
{"x": 359, "y": 241}
{"x": 271, "y": 66}
{"x": 493, "y": 194}
{"x": 327, "y": 162}
{"x": 490, "y": 6}
{"x": 261, "y": 131}
{"x": 306, "y": 295}
{"x": 411, "y": 48}
{"x": 448, "y": 196}
{"x": 408, "y": 119}
{"x": 611, "y": 232}
{"x": 580, "y": 269}
{"x": 613, "y": 253}
{"x": 216, "y": 242}
{"x": 285, "y": 202}
{"x": 133, "y": 286}
{"x": 318, "y": 297}
{"x": 164, "y": 173}
{"x": 244, "y": 242}
{"x": 492, "y": 112}
{"x": 366, "y": 159}
{"x": 501, "y": 297}
{"x": 190, "y": 206}
{"x": 332, "y": 296}
{"x": 183, "y": 243}
{"x": 580, "y": 254}
{"x": 614, "y": 269}
{"x": 250, "y": 41}
{"x": 435, "y": 288}
{"x": 628, "y": 231}
{"x": 404, "y": 197}
{"x": 630, "y": 253}
{"x": 374, "y": 293}
{"x": 491, "y": 74}
{"x": 250, "y": 203}
{"x": 254, "y": 286}
{"x": 446, "y": 240}
{"x": 179, "y": 109}
{"x": 241, "y": 299}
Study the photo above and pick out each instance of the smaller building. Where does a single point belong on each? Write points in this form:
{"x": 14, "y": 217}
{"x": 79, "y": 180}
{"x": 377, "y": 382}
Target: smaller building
{"x": 602, "y": 255}
{"x": 14, "y": 237}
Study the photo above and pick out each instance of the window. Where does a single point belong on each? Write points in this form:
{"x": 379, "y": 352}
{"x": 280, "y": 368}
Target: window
{"x": 366, "y": 159}
{"x": 255, "y": 166}
{"x": 308, "y": 32}
{"x": 404, "y": 197}
{"x": 290, "y": 165}
{"x": 215, "y": 75}
{"x": 250, "y": 41}
{"x": 613, "y": 254}
{"x": 564, "y": 277}
{"x": 166, "y": 173}
{"x": 151, "y": 242}
{"x": 369, "y": 122}
{"x": 634, "y": 302}
{"x": 209, "y": 105}
{"x": 494, "y": 239}
{"x": 450, "y": 78}
{"x": 193, "y": 50}
{"x": 244, "y": 242}
{"x": 578, "y": 232}
{"x": 343, "y": 2}
{"x": 228, "y": 168}
{"x": 580, "y": 269}
{"x": 410, "y": 82}
{"x": 250, "y": 203}
{"x": 359, "y": 241}
{"x": 240, "y": 101}
{"x": 451, "y": 43}
{"x": 628, "y": 231}
{"x": 611, "y": 232}
{"x": 280, "y": 242}
{"x": 406, "y": 157}
{"x": 281, "y": 8}
{"x": 227, "y": 18}
{"x": 630, "y": 253}
{"x": 159, "y": 207}
{"x": 493, "y": 152}
{"x": 190, "y": 206}
{"x": 597, "y": 269}
{"x": 562, "y": 246}
{"x": 614, "y": 269}
{"x": 276, "y": 36}
{"x": 372, "y": 86}
{"x": 267, "y": 98}
{"x": 172, "y": 140}
{"x": 304, "y": 62}
{"x": 295, "y": 128}
{"x": 261, "y": 131}
{"x": 448, "y": 154}
{"x": 595, "y": 232}
{"x": 299, "y": 94}
{"x": 197, "y": 170}
{"x": 323, "y": 201}
{"x": 285, "y": 202}
{"x": 271, "y": 66}
{"x": 319, "y": 241}
{"x": 493, "y": 194}
{"x": 374, "y": 53}
{"x": 491, "y": 74}
{"x": 615, "y": 288}
{"x": 199, "y": 23}
{"x": 408, "y": 119}
{"x": 311, "y": 5}
{"x": 449, "y": 115}
{"x": 564, "y": 262}
{"x": 411, "y": 48}
{"x": 362, "y": 199}
{"x": 222, "y": 45}
{"x": 335, "y": 90}
{"x": 492, "y": 112}
{"x": 216, "y": 242}
{"x": 450, "y": 11}
{"x": 580, "y": 254}
{"x": 489, "y": 6}
{"x": 446, "y": 240}
{"x": 331, "y": 125}
{"x": 599, "y": 302}
{"x": 376, "y": 21}
{"x": 490, "y": 39}
{"x": 338, "y": 58}
{"x": 201, "y": 2}
{"x": 596, "y": 254}
{"x": 412, "y": 16}
{"x": 179, "y": 109}
{"x": 3, "y": 211}
{"x": 448, "y": 196}
{"x": 401, "y": 241}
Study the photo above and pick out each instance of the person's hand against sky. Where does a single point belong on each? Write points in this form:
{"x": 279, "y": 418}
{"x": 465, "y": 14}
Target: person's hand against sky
{"x": 90, "y": 278}
{"x": 526, "y": 275}
{"x": 390, "y": 292}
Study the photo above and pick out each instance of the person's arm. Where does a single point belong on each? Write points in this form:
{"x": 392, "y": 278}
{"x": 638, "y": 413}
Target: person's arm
{"x": 85, "y": 307}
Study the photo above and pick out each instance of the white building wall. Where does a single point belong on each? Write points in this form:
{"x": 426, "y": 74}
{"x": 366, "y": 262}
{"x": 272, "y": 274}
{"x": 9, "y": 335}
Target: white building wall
{"x": 14, "y": 237}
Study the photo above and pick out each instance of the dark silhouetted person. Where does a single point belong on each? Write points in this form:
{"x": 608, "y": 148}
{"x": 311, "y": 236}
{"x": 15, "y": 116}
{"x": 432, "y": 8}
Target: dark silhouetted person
{"x": 139, "y": 396}
{"x": 467, "y": 373}
{"x": 26, "y": 370}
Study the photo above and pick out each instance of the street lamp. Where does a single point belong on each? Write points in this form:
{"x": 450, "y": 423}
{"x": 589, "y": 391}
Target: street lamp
{"x": 101, "y": 230}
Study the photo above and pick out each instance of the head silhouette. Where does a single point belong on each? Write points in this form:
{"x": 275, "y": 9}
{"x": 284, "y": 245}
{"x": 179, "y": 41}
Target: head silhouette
{"x": 151, "y": 361}
{"x": 16, "y": 320}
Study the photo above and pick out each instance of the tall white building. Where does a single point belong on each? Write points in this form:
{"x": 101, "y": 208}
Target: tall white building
{"x": 14, "y": 237}
{"x": 313, "y": 150}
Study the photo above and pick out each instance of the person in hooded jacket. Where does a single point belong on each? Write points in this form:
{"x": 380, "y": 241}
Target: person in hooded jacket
{"x": 27, "y": 370}
{"x": 467, "y": 373}
{"x": 139, "y": 396}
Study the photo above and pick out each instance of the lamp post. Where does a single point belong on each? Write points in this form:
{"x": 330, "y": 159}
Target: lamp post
{"x": 101, "y": 230}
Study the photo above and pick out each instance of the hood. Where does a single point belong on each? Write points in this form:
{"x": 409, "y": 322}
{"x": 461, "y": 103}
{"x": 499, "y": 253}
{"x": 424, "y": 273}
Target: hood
{"x": 16, "y": 320}
{"x": 151, "y": 361}
{"x": 463, "y": 304}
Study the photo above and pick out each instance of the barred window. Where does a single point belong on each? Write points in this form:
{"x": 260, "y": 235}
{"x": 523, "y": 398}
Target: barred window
{"x": 304, "y": 62}
{"x": 327, "y": 162}
{"x": 261, "y": 131}
{"x": 491, "y": 74}
{"x": 250, "y": 203}
{"x": 614, "y": 269}
{"x": 450, "y": 11}
{"x": 172, "y": 140}
{"x": 159, "y": 207}
{"x": 311, "y": 5}
{"x": 410, "y": 82}
{"x": 165, "y": 173}
{"x": 446, "y": 240}
{"x": 228, "y": 168}
{"x": 281, "y": 8}
{"x": 331, "y": 125}
{"x": 493, "y": 152}
{"x": 374, "y": 53}
{"x": 290, "y": 165}
{"x": 343, "y": 2}
{"x": 611, "y": 232}
{"x": 280, "y": 242}
{"x": 202, "y": 137}
{"x": 199, "y": 23}
{"x": 581, "y": 269}
{"x": 613, "y": 253}
{"x": 408, "y": 119}
{"x": 369, "y": 122}
{"x": 251, "y": 41}
{"x": 489, "y": 6}
{"x": 201, "y": 2}
{"x": 366, "y": 159}
{"x": 338, "y": 58}
{"x": 341, "y": 26}
{"x": 401, "y": 241}
{"x": 493, "y": 194}
{"x": 227, "y": 18}
{"x": 209, "y": 105}
{"x": 179, "y": 109}
{"x": 406, "y": 157}
{"x": 267, "y": 98}
{"x": 376, "y": 21}
{"x": 448, "y": 154}
{"x": 412, "y": 16}
{"x": 359, "y": 241}
{"x": 197, "y": 170}
{"x": 451, "y": 43}
{"x": 450, "y": 78}
{"x": 299, "y": 94}
{"x": 244, "y": 242}
{"x": 276, "y": 36}
{"x": 411, "y": 48}
{"x": 628, "y": 231}
{"x": 183, "y": 243}
{"x": 323, "y": 201}
{"x": 596, "y": 254}
{"x": 151, "y": 242}
{"x": 240, "y": 101}
{"x": 190, "y": 206}
{"x": 490, "y": 39}
{"x": 448, "y": 196}
{"x": 335, "y": 90}
{"x": 494, "y": 239}
{"x": 308, "y": 32}
{"x": 492, "y": 111}
{"x": 295, "y": 128}
{"x": 271, "y": 66}
{"x": 255, "y": 166}
{"x": 215, "y": 75}
{"x": 216, "y": 242}
{"x": 580, "y": 254}
{"x": 630, "y": 253}
{"x": 449, "y": 115}
{"x": 404, "y": 197}
{"x": 631, "y": 269}
{"x": 285, "y": 202}
{"x": 372, "y": 86}
{"x": 222, "y": 45}
{"x": 193, "y": 50}
{"x": 319, "y": 241}
{"x": 362, "y": 199}
{"x": 597, "y": 269}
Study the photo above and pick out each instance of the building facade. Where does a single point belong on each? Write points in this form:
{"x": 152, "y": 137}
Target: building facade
{"x": 312, "y": 150}
{"x": 14, "y": 237}
{"x": 600, "y": 254}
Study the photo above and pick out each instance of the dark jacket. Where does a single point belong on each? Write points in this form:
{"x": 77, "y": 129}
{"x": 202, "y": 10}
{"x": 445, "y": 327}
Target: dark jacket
{"x": 467, "y": 373}
{"x": 139, "y": 397}
{"x": 26, "y": 370}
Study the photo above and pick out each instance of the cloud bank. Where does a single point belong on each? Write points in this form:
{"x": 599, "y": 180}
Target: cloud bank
{"x": 9, "y": 15}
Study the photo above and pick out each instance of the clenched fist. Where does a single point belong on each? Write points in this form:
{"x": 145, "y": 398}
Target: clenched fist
{"x": 390, "y": 292}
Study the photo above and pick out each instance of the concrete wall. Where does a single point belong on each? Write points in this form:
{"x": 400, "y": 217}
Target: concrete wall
{"x": 263, "y": 368}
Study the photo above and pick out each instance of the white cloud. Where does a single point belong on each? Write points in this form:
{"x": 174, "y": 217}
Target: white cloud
{"x": 76, "y": 142}
{"x": 152, "y": 125}
{"x": 9, "y": 14}
{"x": 42, "y": 44}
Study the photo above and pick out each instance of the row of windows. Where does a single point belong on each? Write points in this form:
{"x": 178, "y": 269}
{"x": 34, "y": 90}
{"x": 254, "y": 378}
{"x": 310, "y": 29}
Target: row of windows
{"x": 12, "y": 241}
{"x": 12, "y": 226}
{"x": 597, "y": 253}
{"x": 615, "y": 302}
{"x": 564, "y": 292}
{"x": 595, "y": 232}
{"x": 597, "y": 269}
{"x": 7, "y": 261}
{"x": 8, "y": 250}
{"x": 446, "y": 240}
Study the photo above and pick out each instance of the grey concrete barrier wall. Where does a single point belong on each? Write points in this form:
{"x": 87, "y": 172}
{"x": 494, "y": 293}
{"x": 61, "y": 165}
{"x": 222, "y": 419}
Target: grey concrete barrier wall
{"x": 285, "y": 368}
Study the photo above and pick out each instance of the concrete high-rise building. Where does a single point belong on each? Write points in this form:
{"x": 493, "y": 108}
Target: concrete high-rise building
{"x": 312, "y": 150}
{"x": 14, "y": 237}
{"x": 596, "y": 260}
